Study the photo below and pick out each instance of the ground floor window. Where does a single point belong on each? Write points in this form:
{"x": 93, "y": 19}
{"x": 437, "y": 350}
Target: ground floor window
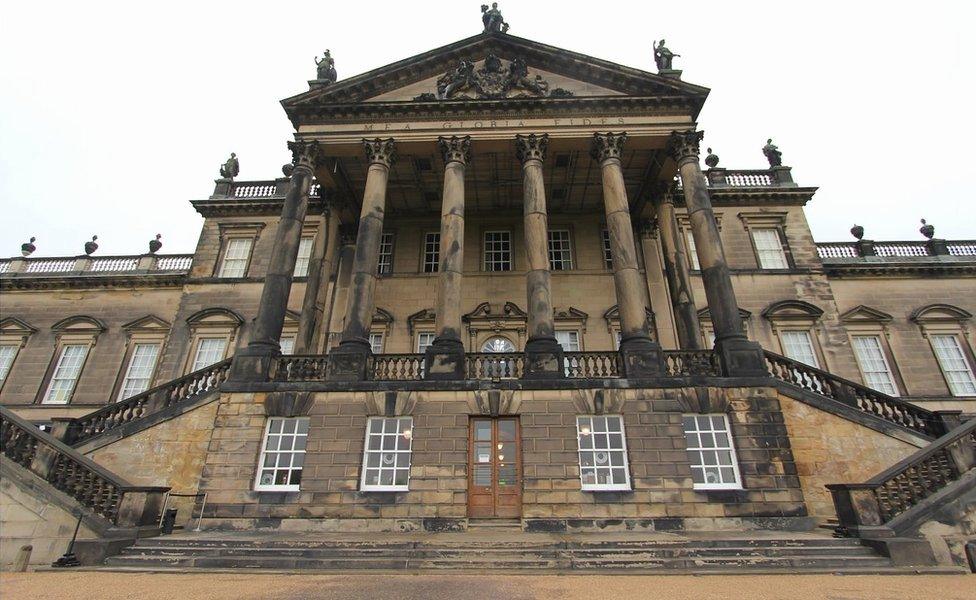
{"x": 712, "y": 454}
{"x": 282, "y": 455}
{"x": 602, "y": 453}
{"x": 386, "y": 456}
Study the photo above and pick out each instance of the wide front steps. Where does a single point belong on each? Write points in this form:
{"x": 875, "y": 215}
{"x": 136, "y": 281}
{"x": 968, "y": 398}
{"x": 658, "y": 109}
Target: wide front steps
{"x": 812, "y": 554}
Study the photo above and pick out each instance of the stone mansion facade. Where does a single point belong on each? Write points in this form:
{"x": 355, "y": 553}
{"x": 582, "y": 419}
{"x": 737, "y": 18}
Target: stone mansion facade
{"x": 495, "y": 282}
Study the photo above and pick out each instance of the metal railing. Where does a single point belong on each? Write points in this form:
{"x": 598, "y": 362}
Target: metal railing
{"x": 854, "y": 395}
{"x": 93, "y": 486}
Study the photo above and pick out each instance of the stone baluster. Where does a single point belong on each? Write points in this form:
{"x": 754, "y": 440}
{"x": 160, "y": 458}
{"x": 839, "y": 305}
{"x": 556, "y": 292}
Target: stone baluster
{"x": 678, "y": 272}
{"x": 350, "y": 357}
{"x": 445, "y": 357}
{"x": 254, "y": 362}
{"x": 739, "y": 356}
{"x": 642, "y": 356}
{"x": 543, "y": 354}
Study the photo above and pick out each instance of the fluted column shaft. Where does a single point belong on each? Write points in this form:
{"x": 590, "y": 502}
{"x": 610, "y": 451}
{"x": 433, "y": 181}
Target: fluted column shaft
{"x": 456, "y": 152}
{"x": 678, "y": 272}
{"x": 381, "y": 153}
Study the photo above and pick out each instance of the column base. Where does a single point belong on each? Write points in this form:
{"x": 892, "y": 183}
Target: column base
{"x": 642, "y": 357}
{"x": 741, "y": 358}
{"x": 349, "y": 360}
{"x": 544, "y": 359}
{"x": 254, "y": 364}
{"x": 444, "y": 360}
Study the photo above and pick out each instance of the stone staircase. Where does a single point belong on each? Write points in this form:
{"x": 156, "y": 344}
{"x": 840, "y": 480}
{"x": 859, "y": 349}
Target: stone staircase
{"x": 519, "y": 552}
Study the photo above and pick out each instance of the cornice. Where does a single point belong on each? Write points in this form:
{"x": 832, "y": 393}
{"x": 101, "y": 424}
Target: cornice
{"x": 875, "y": 269}
{"x": 793, "y": 196}
{"x": 264, "y": 207}
{"x": 21, "y": 282}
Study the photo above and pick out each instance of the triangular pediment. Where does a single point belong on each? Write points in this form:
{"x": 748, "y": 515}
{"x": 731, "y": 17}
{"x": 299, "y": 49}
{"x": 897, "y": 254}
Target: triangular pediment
{"x": 865, "y": 314}
{"x": 14, "y": 326}
{"x": 148, "y": 323}
{"x": 495, "y": 67}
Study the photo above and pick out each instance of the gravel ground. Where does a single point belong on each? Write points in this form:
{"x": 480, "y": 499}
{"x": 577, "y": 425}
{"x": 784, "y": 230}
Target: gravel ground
{"x": 247, "y": 586}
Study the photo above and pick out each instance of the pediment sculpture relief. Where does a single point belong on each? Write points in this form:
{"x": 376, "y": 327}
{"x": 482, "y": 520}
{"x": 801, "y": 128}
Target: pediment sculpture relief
{"x": 492, "y": 81}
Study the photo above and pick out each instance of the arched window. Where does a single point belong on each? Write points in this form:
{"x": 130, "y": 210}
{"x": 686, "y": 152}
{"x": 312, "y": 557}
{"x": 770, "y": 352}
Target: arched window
{"x": 501, "y": 367}
{"x": 498, "y": 344}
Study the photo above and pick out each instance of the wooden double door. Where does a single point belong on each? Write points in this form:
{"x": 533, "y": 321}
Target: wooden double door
{"x": 494, "y": 468}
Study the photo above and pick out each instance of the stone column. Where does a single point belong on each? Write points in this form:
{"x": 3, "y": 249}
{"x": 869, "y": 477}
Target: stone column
{"x": 739, "y": 356}
{"x": 350, "y": 357}
{"x": 445, "y": 357}
{"x": 641, "y": 355}
{"x": 543, "y": 354}
{"x": 678, "y": 271}
{"x": 254, "y": 362}
{"x": 320, "y": 266}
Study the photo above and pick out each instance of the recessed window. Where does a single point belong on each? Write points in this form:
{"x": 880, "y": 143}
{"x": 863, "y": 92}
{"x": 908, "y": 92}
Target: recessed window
{"x": 304, "y": 255}
{"x": 560, "y": 251}
{"x": 712, "y": 454}
{"x": 66, "y": 374}
{"x": 138, "y": 374}
{"x": 7, "y": 354}
{"x": 769, "y": 249}
{"x": 692, "y": 251}
{"x": 498, "y": 251}
{"x": 432, "y": 252}
{"x": 376, "y": 343}
{"x": 569, "y": 340}
{"x": 287, "y": 344}
{"x": 236, "y": 255}
{"x": 282, "y": 455}
{"x": 798, "y": 345}
{"x": 385, "y": 265}
{"x": 386, "y": 456}
{"x": 958, "y": 373}
{"x": 602, "y": 453}
{"x": 874, "y": 365}
{"x": 607, "y": 254}
{"x": 209, "y": 351}
{"x": 424, "y": 340}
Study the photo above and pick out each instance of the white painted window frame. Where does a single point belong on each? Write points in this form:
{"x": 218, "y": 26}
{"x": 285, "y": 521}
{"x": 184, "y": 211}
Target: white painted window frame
{"x": 581, "y": 430}
{"x": 696, "y": 452}
{"x": 397, "y": 451}
{"x": 291, "y": 487}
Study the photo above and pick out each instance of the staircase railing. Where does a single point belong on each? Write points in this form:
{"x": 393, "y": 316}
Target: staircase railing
{"x": 854, "y": 395}
{"x": 879, "y": 500}
{"x": 94, "y": 487}
{"x": 153, "y": 400}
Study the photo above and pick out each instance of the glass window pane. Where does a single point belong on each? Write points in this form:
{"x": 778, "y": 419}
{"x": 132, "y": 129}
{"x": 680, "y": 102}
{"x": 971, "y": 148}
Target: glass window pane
{"x": 388, "y": 441}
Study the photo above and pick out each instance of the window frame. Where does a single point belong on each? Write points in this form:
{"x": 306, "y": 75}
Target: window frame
{"x": 382, "y": 341}
{"x": 384, "y": 268}
{"x": 130, "y": 357}
{"x": 777, "y": 233}
{"x": 197, "y": 342}
{"x": 691, "y": 250}
{"x": 607, "y": 249}
{"x": 421, "y": 348}
{"x": 225, "y": 248}
{"x": 961, "y": 347}
{"x": 879, "y": 339}
{"x": 704, "y": 487}
{"x": 290, "y": 487}
{"x": 485, "y": 252}
{"x": 783, "y": 332}
{"x": 307, "y": 241}
{"x": 4, "y": 376}
{"x": 364, "y": 468}
{"x": 627, "y": 484}
{"x": 426, "y": 252}
{"x": 56, "y": 364}
{"x": 567, "y": 260}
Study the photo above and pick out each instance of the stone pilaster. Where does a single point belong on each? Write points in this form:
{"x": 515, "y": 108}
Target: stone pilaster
{"x": 678, "y": 272}
{"x": 254, "y": 362}
{"x": 320, "y": 266}
{"x": 445, "y": 357}
{"x": 642, "y": 356}
{"x": 543, "y": 354}
{"x": 349, "y": 358}
{"x": 739, "y": 356}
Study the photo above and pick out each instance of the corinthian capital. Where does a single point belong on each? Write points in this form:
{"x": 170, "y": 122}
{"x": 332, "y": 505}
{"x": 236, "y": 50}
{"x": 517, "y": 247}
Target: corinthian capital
{"x": 531, "y": 147}
{"x": 607, "y": 145}
{"x": 455, "y": 149}
{"x": 304, "y": 155}
{"x": 380, "y": 151}
{"x": 683, "y": 145}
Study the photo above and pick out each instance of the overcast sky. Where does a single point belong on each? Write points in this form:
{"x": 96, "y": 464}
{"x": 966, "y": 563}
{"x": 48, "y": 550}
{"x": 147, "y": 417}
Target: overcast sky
{"x": 114, "y": 115}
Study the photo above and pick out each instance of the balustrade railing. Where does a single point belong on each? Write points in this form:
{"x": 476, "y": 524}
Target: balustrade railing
{"x": 302, "y": 367}
{"x": 177, "y": 391}
{"x": 828, "y": 250}
{"x": 911, "y": 248}
{"x": 494, "y": 365}
{"x": 397, "y": 367}
{"x": 837, "y": 250}
{"x": 174, "y": 263}
{"x": 685, "y": 363}
{"x": 907, "y": 483}
{"x": 854, "y": 395}
{"x": 961, "y": 247}
{"x": 756, "y": 178}
{"x": 255, "y": 189}
{"x": 94, "y": 487}
{"x": 50, "y": 265}
{"x": 592, "y": 365}
{"x": 103, "y": 265}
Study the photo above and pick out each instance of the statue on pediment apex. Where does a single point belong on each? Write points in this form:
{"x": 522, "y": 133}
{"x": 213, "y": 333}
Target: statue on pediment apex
{"x": 663, "y": 56}
{"x": 325, "y": 68}
{"x": 772, "y": 153}
{"x": 230, "y": 168}
{"x": 492, "y": 19}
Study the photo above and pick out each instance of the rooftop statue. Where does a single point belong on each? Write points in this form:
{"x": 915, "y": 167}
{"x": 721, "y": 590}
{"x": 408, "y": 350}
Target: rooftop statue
{"x": 326, "y": 68}
{"x": 493, "y": 19}
{"x": 772, "y": 153}
{"x": 231, "y": 168}
{"x": 663, "y": 56}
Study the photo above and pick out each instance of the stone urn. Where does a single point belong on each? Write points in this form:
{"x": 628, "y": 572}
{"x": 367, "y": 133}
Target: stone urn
{"x": 927, "y": 230}
{"x": 91, "y": 246}
{"x": 711, "y": 160}
{"x": 28, "y": 248}
{"x": 155, "y": 245}
{"x": 857, "y": 231}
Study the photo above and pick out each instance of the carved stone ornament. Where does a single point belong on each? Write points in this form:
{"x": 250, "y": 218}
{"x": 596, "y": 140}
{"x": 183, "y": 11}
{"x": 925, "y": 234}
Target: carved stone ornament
{"x": 91, "y": 246}
{"x": 684, "y": 144}
{"x": 304, "y": 155}
{"x": 380, "y": 151}
{"x": 531, "y": 147}
{"x": 772, "y": 153}
{"x": 493, "y": 80}
{"x": 455, "y": 149}
{"x": 711, "y": 160}
{"x": 857, "y": 231}
{"x": 425, "y": 97}
{"x": 607, "y": 145}
{"x": 492, "y": 19}
{"x": 325, "y": 68}
{"x": 28, "y": 248}
{"x": 927, "y": 230}
{"x": 155, "y": 245}
{"x": 231, "y": 167}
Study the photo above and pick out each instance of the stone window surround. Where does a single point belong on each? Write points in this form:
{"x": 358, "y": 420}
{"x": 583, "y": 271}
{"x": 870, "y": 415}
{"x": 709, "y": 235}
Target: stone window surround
{"x": 75, "y": 330}
{"x": 16, "y": 333}
{"x": 484, "y": 231}
{"x": 423, "y": 252}
{"x": 613, "y": 324}
{"x": 684, "y": 229}
{"x": 390, "y": 234}
{"x": 230, "y": 230}
{"x": 797, "y": 315}
{"x": 768, "y": 220}
{"x": 945, "y": 319}
{"x": 211, "y": 323}
{"x": 309, "y": 230}
{"x": 708, "y": 331}
{"x": 482, "y": 324}
{"x": 866, "y": 321}
{"x": 146, "y": 330}
{"x": 407, "y": 434}
{"x": 737, "y": 483}
{"x": 258, "y": 486}
{"x": 624, "y": 486}
{"x": 290, "y": 327}
{"x": 571, "y": 234}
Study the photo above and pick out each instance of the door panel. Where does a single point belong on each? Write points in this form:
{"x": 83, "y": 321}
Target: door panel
{"x": 494, "y": 468}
